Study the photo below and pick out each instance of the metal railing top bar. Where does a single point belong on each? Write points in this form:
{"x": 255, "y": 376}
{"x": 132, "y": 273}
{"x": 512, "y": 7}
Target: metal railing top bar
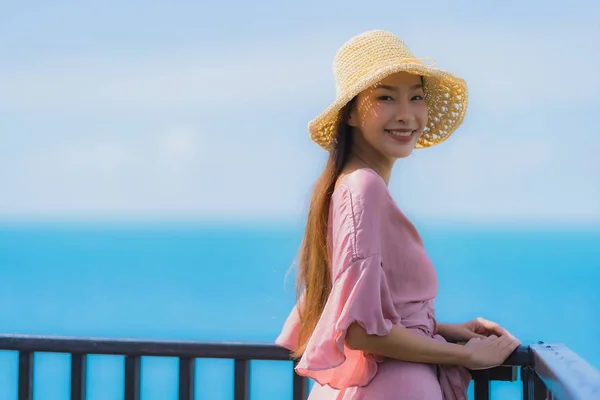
{"x": 171, "y": 348}
{"x": 137, "y": 347}
{"x": 564, "y": 373}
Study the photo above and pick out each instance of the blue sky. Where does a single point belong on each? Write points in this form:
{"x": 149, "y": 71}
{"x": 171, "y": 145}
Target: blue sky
{"x": 197, "y": 109}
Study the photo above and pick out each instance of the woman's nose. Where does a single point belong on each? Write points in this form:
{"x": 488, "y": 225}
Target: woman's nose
{"x": 404, "y": 113}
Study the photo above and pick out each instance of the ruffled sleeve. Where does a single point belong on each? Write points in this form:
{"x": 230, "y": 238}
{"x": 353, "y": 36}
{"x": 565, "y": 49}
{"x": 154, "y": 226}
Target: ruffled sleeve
{"x": 359, "y": 293}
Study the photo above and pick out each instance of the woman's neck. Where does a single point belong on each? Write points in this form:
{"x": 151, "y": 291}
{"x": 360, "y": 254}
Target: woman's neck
{"x": 382, "y": 167}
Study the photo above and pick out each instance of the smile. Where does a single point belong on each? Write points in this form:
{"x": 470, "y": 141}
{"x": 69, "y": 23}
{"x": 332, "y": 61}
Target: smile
{"x": 400, "y": 132}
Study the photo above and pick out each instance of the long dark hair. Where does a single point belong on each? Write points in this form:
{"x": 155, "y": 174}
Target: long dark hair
{"x": 314, "y": 277}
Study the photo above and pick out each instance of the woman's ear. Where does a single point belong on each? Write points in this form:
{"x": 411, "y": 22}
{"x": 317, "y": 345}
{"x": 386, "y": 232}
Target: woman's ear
{"x": 352, "y": 118}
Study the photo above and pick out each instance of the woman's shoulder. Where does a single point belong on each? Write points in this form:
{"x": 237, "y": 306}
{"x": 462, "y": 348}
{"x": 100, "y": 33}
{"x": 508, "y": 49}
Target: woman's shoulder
{"x": 362, "y": 184}
{"x": 361, "y": 190}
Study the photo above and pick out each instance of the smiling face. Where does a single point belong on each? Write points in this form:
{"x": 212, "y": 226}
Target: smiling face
{"x": 389, "y": 117}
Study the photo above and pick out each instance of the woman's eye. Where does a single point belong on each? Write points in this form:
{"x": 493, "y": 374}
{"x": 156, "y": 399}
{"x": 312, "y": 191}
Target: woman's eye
{"x": 385, "y": 98}
{"x": 418, "y": 98}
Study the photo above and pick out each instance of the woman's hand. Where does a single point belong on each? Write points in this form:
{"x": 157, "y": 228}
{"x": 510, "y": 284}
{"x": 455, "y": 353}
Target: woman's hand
{"x": 490, "y": 352}
{"x": 477, "y": 328}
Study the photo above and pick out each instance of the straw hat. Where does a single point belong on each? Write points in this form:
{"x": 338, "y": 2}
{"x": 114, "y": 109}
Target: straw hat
{"x": 370, "y": 57}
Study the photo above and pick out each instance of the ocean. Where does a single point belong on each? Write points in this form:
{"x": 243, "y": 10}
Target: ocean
{"x": 209, "y": 282}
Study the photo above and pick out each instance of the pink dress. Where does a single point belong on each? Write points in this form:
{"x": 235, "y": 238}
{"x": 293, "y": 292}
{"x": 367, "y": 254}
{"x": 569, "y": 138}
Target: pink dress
{"x": 381, "y": 277}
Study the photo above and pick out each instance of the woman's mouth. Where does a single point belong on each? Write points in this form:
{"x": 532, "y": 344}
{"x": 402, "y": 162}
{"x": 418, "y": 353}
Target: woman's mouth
{"x": 400, "y": 135}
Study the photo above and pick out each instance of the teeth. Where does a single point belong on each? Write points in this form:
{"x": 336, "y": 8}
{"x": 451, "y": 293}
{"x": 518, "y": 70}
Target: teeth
{"x": 398, "y": 133}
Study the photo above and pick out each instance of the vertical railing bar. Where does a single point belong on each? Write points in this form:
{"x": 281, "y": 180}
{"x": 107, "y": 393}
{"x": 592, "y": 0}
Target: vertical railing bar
{"x": 187, "y": 368}
{"x": 300, "y": 385}
{"x": 78, "y": 376}
{"x": 26, "y": 359}
{"x": 481, "y": 388}
{"x": 541, "y": 392}
{"x": 132, "y": 377}
{"x": 528, "y": 387}
{"x": 242, "y": 380}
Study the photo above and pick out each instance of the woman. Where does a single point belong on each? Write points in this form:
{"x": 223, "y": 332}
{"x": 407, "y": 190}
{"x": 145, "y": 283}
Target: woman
{"x": 364, "y": 326}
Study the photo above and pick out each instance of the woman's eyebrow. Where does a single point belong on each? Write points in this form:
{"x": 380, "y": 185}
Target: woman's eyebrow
{"x": 394, "y": 88}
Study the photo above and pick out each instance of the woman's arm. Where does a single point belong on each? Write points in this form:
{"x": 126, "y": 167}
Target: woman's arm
{"x": 443, "y": 331}
{"x": 403, "y": 344}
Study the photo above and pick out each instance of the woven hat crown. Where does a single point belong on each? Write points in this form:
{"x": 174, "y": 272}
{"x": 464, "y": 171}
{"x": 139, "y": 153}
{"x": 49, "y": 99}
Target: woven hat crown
{"x": 365, "y": 53}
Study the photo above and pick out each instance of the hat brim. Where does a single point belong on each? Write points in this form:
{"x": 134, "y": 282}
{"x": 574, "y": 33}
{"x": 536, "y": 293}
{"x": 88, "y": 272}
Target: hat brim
{"x": 445, "y": 94}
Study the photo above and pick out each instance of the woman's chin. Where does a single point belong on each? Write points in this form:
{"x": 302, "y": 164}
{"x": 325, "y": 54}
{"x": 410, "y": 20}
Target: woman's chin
{"x": 403, "y": 154}
{"x": 400, "y": 151}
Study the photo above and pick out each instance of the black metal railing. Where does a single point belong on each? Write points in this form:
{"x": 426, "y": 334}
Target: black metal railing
{"x": 545, "y": 368}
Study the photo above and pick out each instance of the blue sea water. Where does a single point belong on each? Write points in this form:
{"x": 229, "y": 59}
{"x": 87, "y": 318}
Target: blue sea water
{"x": 202, "y": 282}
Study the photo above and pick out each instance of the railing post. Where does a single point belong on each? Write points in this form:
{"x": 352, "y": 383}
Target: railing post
{"x": 187, "y": 370}
{"x": 78, "y": 376}
{"x": 300, "y": 385}
{"x": 533, "y": 387}
{"x": 26, "y": 359}
{"x": 132, "y": 377}
{"x": 242, "y": 380}
{"x": 481, "y": 386}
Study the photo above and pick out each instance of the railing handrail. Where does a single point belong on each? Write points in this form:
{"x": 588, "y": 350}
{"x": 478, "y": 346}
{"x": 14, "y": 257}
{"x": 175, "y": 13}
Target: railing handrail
{"x": 564, "y": 373}
{"x": 172, "y": 348}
